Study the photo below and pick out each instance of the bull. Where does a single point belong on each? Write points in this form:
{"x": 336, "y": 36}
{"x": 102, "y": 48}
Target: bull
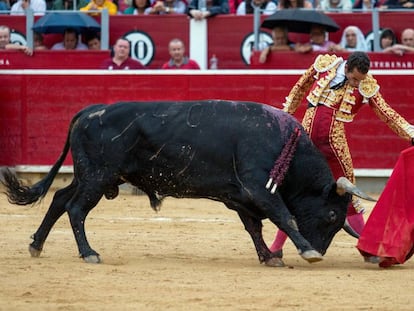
{"x": 231, "y": 152}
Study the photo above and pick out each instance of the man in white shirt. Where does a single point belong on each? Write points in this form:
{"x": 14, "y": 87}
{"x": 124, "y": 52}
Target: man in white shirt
{"x": 19, "y": 8}
{"x": 70, "y": 41}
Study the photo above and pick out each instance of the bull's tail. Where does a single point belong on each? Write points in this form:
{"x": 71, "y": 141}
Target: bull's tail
{"x": 19, "y": 194}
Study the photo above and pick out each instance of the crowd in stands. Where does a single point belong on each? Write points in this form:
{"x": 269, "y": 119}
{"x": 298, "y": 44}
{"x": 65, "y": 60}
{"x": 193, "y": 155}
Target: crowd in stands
{"x": 120, "y": 58}
{"x": 191, "y": 7}
{"x": 352, "y": 38}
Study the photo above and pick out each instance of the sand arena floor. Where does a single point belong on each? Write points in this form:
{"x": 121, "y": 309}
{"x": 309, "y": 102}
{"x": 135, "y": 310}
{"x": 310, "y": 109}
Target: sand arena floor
{"x": 192, "y": 255}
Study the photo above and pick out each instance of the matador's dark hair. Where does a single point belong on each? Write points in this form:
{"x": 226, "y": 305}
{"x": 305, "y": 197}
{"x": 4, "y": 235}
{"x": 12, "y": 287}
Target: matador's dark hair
{"x": 360, "y": 61}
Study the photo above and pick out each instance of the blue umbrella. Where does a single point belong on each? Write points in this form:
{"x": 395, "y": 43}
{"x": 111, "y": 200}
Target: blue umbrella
{"x": 57, "y": 22}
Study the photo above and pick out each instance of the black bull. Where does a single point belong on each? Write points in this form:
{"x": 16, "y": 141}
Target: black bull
{"x": 219, "y": 150}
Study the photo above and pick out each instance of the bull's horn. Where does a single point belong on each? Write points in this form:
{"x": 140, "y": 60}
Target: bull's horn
{"x": 348, "y": 229}
{"x": 344, "y": 185}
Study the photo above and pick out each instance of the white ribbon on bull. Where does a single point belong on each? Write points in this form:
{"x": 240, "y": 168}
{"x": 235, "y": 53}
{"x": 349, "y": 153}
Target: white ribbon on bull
{"x": 282, "y": 163}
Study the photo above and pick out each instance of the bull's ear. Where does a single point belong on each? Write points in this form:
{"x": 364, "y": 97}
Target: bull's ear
{"x": 343, "y": 185}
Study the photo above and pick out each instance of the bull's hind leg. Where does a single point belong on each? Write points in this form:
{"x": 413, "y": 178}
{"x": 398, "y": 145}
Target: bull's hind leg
{"x": 56, "y": 210}
{"x": 83, "y": 201}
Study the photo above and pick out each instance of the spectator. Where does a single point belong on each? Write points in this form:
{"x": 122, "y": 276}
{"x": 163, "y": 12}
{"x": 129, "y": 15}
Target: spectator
{"x": 5, "y": 43}
{"x": 93, "y": 41}
{"x": 267, "y": 7}
{"x": 99, "y": 5}
{"x": 38, "y": 7}
{"x": 398, "y": 4}
{"x": 318, "y": 41}
{"x": 407, "y": 43}
{"x": 38, "y": 41}
{"x": 138, "y": 7}
{"x": 407, "y": 37}
{"x": 70, "y": 41}
{"x": 4, "y": 6}
{"x": 122, "y": 5}
{"x": 168, "y": 7}
{"x": 336, "y": 90}
{"x": 366, "y": 5}
{"x": 214, "y": 7}
{"x": 352, "y": 40}
{"x": 387, "y": 38}
{"x": 176, "y": 48}
{"x": 233, "y": 5}
{"x": 120, "y": 59}
{"x": 61, "y": 5}
{"x": 336, "y": 5}
{"x": 293, "y": 4}
{"x": 280, "y": 43}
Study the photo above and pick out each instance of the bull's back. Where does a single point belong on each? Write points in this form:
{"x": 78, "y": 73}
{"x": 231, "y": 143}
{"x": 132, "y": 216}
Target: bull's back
{"x": 182, "y": 118}
{"x": 174, "y": 133}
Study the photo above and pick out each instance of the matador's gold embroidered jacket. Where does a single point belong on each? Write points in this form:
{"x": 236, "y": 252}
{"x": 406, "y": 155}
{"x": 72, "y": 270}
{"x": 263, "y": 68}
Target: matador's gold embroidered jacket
{"x": 347, "y": 100}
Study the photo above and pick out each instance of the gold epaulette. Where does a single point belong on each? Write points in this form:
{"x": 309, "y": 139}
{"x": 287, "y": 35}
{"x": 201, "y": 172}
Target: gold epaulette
{"x": 368, "y": 87}
{"x": 325, "y": 62}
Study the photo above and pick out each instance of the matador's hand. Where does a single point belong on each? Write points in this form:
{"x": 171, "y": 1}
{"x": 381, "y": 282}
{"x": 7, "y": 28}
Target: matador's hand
{"x": 411, "y": 132}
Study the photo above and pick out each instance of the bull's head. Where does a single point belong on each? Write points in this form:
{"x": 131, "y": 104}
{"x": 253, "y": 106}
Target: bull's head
{"x": 325, "y": 215}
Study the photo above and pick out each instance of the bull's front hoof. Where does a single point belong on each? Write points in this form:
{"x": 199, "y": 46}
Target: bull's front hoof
{"x": 34, "y": 252}
{"x": 311, "y": 256}
{"x": 275, "y": 262}
{"x": 111, "y": 193}
{"x": 92, "y": 259}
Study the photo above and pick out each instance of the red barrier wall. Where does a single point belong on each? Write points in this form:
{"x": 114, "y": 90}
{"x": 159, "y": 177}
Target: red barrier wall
{"x": 36, "y": 106}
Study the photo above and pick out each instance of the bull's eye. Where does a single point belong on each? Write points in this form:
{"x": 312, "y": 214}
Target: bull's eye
{"x": 332, "y": 216}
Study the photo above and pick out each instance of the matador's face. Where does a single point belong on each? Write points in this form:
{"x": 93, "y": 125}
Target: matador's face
{"x": 354, "y": 77}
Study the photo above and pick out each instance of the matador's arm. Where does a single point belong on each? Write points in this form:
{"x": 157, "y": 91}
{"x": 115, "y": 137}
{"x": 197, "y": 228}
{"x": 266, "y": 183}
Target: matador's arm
{"x": 299, "y": 91}
{"x": 392, "y": 118}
